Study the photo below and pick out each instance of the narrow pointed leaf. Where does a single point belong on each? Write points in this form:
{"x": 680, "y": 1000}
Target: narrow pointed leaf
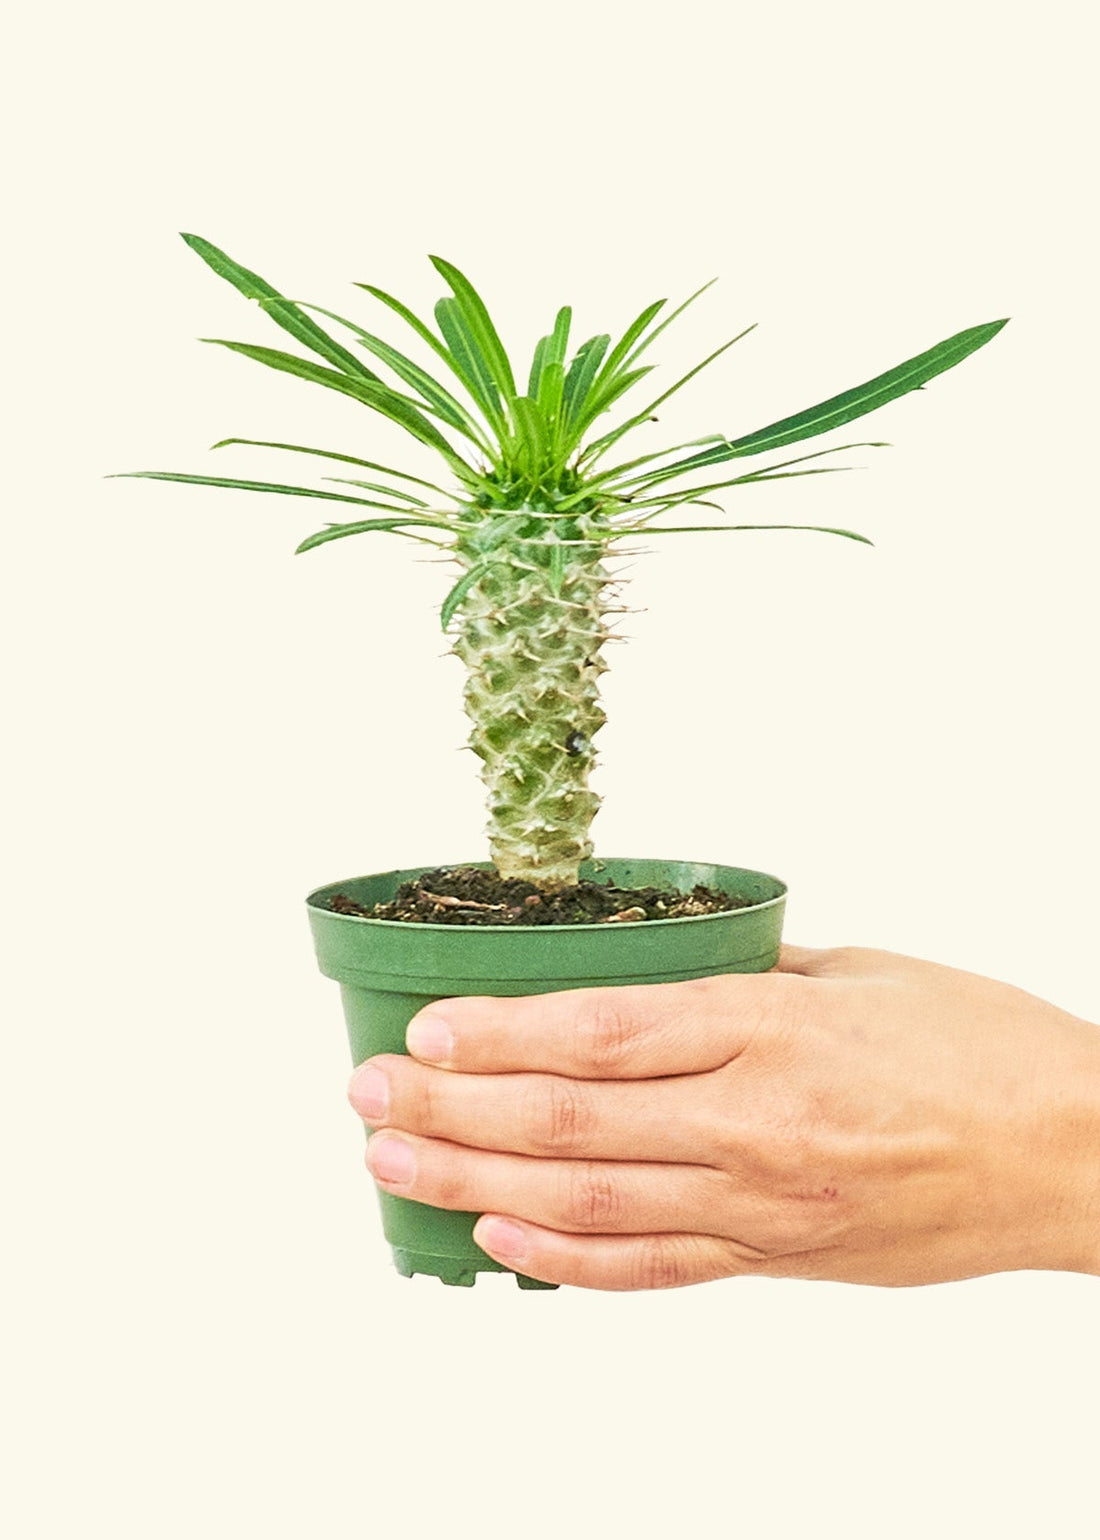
{"x": 380, "y": 397}
{"x": 870, "y": 396}
{"x": 673, "y": 499}
{"x": 332, "y": 454}
{"x": 629, "y": 338}
{"x": 601, "y": 445}
{"x": 697, "y": 529}
{"x": 602, "y": 398}
{"x": 857, "y": 402}
{"x": 281, "y": 310}
{"x": 435, "y": 395}
{"x": 536, "y": 366}
{"x": 421, "y": 329}
{"x": 469, "y": 360}
{"x": 401, "y": 309}
{"x": 480, "y": 324}
{"x": 650, "y": 479}
{"x": 551, "y": 386}
{"x": 362, "y": 527}
{"x": 668, "y": 320}
{"x": 461, "y": 589}
{"x": 604, "y": 481}
{"x": 582, "y": 372}
{"x": 531, "y": 428}
{"x": 267, "y": 486}
{"x": 375, "y": 486}
{"x": 559, "y": 340}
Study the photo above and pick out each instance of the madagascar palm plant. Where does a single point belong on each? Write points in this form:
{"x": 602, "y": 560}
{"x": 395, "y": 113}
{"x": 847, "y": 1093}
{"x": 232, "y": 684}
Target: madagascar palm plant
{"x": 532, "y": 514}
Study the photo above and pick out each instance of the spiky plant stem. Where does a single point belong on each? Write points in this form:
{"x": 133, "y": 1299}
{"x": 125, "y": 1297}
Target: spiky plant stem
{"x": 530, "y": 633}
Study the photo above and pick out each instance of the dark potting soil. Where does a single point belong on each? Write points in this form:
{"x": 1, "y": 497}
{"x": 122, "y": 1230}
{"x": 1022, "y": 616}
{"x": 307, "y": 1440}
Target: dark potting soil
{"x": 467, "y": 895}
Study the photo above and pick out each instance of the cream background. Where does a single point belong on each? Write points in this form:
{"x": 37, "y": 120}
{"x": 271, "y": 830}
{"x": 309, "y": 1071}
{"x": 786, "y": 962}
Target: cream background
{"x": 203, "y": 1332}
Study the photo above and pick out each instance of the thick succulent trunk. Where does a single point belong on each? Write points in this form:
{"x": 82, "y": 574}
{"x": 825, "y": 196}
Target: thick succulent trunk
{"x": 530, "y": 635}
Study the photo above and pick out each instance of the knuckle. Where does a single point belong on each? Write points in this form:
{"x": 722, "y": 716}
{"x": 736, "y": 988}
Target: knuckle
{"x": 603, "y": 1035}
{"x": 560, "y": 1116}
{"x": 450, "y": 1190}
{"x": 414, "y": 1100}
{"x": 792, "y": 1004}
{"x": 422, "y": 1105}
{"x": 592, "y": 1201}
{"x": 838, "y": 961}
{"x": 768, "y": 1151}
{"x": 660, "y": 1262}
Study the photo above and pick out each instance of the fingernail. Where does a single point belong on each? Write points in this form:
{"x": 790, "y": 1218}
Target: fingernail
{"x": 391, "y": 1160}
{"x": 429, "y": 1037}
{"x": 369, "y": 1093}
{"x": 502, "y": 1239}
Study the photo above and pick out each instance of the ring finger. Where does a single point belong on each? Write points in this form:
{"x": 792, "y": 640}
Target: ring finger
{"x": 575, "y": 1196}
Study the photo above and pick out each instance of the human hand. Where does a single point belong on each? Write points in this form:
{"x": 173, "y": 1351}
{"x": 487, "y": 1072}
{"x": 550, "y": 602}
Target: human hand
{"x": 854, "y": 1115}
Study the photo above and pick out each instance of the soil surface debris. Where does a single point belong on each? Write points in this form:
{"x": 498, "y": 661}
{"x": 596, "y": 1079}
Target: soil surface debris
{"x": 467, "y": 895}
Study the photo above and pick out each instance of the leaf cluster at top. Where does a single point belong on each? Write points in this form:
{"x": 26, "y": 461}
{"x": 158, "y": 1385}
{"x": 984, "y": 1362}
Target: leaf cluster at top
{"x": 528, "y": 448}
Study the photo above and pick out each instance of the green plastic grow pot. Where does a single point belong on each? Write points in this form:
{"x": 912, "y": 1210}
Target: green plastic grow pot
{"x": 388, "y": 969}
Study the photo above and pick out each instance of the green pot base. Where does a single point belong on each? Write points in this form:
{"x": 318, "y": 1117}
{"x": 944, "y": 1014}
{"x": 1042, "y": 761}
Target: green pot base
{"x": 388, "y": 970}
{"x": 459, "y": 1272}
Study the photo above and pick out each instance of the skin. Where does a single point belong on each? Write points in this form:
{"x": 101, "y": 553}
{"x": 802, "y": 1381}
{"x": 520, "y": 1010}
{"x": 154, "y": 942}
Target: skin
{"x": 852, "y": 1115}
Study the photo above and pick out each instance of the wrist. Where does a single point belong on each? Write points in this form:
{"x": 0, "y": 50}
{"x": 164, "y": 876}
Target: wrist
{"x": 1076, "y": 1129}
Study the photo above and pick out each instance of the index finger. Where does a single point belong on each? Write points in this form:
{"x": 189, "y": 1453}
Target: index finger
{"x": 623, "y": 1032}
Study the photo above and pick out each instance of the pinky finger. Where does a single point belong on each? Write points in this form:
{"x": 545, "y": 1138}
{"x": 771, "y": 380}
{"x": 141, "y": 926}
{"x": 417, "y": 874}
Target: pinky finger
{"x": 619, "y": 1262}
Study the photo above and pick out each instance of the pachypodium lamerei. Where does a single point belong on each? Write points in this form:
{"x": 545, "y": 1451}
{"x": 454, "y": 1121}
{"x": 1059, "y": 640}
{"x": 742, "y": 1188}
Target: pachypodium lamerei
{"x": 533, "y": 516}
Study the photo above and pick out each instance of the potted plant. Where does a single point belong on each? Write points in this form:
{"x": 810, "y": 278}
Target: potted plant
{"x": 532, "y": 512}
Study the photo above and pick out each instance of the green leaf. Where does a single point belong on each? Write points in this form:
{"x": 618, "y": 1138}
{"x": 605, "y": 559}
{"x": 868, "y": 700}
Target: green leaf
{"x": 596, "y": 449}
{"x": 694, "y": 529}
{"x": 651, "y": 479}
{"x": 673, "y": 499}
{"x": 602, "y": 482}
{"x": 668, "y": 320}
{"x": 461, "y": 589}
{"x": 362, "y": 527}
{"x": 469, "y": 361}
{"x": 281, "y": 310}
{"x": 536, "y": 366}
{"x": 629, "y": 338}
{"x": 332, "y": 454}
{"x": 380, "y": 397}
{"x": 551, "y": 385}
{"x": 438, "y": 399}
{"x": 375, "y": 486}
{"x": 602, "y": 397}
{"x": 401, "y": 309}
{"x": 531, "y": 431}
{"x": 559, "y": 340}
{"x": 423, "y": 331}
{"x": 480, "y": 325}
{"x": 461, "y": 373}
{"x": 582, "y": 372}
{"x": 273, "y": 486}
{"x": 857, "y": 402}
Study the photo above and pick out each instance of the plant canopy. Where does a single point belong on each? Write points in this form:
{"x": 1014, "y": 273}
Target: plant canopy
{"x": 533, "y": 511}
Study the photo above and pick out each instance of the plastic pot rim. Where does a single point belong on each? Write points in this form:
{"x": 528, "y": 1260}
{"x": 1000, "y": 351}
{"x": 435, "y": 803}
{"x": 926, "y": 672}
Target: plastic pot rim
{"x": 318, "y": 900}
